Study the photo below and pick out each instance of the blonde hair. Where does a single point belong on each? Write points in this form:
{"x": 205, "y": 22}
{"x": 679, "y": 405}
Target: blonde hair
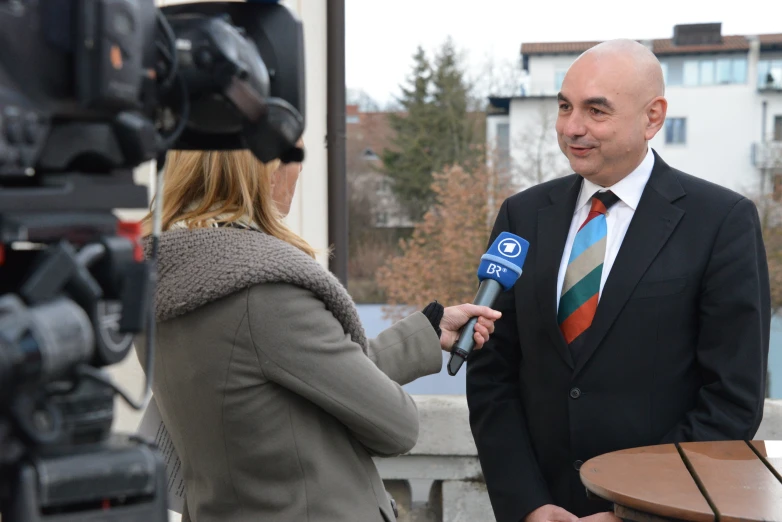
{"x": 206, "y": 187}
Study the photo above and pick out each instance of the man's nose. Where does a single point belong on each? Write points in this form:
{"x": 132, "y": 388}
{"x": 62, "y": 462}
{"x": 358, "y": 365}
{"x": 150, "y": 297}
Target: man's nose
{"x": 574, "y": 125}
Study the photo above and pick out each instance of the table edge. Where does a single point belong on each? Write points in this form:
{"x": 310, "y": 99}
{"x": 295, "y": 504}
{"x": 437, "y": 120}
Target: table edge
{"x": 646, "y": 506}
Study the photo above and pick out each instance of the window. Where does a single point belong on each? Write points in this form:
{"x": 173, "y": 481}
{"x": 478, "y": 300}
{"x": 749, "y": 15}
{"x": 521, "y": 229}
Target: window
{"x": 770, "y": 74}
{"x": 672, "y": 72}
{"x": 739, "y": 70}
{"x": 503, "y": 146}
{"x": 352, "y": 118}
{"x": 676, "y": 131}
{"x": 775, "y": 74}
{"x": 706, "y": 72}
{"x": 691, "y": 72}
{"x": 722, "y": 70}
{"x": 763, "y": 70}
{"x": 559, "y": 77}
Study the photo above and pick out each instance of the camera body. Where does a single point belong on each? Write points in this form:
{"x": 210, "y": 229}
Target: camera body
{"x": 89, "y": 90}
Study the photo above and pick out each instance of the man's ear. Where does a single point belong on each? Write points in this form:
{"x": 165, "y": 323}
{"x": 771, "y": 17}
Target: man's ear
{"x": 655, "y": 114}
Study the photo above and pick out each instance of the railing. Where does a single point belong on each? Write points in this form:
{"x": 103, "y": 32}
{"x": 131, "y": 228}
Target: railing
{"x": 441, "y": 479}
{"x": 774, "y": 85}
{"x": 767, "y": 155}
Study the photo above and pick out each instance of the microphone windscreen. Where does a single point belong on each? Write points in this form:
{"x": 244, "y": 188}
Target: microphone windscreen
{"x": 504, "y": 259}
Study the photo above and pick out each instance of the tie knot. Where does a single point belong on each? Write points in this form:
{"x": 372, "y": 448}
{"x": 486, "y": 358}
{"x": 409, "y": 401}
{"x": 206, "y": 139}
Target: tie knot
{"x": 602, "y": 201}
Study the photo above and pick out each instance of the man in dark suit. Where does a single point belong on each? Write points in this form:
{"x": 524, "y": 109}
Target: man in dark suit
{"x": 643, "y": 313}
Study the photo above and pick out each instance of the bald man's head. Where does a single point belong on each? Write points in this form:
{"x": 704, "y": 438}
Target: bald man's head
{"x": 639, "y": 59}
{"x": 610, "y": 105}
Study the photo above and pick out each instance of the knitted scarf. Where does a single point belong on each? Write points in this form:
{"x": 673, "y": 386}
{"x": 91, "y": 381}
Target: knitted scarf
{"x": 198, "y": 266}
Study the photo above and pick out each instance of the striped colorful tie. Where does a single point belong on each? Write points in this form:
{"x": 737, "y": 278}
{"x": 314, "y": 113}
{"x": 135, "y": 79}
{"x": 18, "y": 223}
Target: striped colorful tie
{"x": 581, "y": 288}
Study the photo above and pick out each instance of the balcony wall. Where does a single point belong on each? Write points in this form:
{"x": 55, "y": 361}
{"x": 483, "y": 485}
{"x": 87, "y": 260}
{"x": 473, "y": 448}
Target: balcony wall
{"x": 441, "y": 480}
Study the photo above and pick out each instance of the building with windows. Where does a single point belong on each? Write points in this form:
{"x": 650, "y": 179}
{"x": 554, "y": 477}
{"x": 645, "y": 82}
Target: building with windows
{"x": 368, "y": 135}
{"x": 724, "y": 96}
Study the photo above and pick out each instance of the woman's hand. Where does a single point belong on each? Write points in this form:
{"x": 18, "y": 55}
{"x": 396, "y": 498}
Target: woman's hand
{"x": 455, "y": 317}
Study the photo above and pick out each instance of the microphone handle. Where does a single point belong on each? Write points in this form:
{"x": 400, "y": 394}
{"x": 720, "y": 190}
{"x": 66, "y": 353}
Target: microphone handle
{"x": 487, "y": 294}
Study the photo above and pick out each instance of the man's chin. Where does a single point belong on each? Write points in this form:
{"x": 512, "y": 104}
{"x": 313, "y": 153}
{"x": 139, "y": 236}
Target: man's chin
{"x": 582, "y": 166}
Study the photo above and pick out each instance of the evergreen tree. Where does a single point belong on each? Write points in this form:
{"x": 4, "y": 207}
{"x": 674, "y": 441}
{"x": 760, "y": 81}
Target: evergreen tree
{"x": 456, "y": 129}
{"x": 435, "y": 130}
{"x": 409, "y": 163}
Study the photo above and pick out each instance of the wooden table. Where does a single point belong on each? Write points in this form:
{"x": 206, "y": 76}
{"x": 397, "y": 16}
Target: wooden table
{"x": 694, "y": 481}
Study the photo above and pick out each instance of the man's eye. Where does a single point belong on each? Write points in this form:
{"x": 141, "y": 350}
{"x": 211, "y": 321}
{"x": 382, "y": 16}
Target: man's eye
{"x": 596, "y": 112}
{"x": 563, "y": 106}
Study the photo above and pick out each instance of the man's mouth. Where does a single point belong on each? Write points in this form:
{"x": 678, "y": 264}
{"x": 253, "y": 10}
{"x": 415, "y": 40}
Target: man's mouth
{"x": 579, "y": 151}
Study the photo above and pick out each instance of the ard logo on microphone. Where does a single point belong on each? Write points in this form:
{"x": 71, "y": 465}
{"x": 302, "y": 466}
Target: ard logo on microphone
{"x": 509, "y": 247}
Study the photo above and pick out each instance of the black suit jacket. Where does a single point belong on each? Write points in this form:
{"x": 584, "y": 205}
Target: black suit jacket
{"x": 677, "y": 350}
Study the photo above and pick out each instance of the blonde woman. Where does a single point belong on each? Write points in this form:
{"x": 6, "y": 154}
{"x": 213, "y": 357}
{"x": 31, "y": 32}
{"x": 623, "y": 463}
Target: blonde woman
{"x": 272, "y": 394}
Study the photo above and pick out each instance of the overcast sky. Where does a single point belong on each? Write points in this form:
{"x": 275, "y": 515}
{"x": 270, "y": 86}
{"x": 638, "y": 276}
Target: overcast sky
{"x": 383, "y": 35}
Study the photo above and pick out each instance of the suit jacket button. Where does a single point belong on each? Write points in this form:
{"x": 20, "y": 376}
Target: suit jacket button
{"x": 575, "y": 393}
{"x": 577, "y": 465}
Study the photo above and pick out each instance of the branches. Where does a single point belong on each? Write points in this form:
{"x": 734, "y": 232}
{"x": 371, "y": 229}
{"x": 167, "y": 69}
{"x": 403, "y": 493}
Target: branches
{"x": 440, "y": 260}
{"x": 435, "y": 130}
{"x": 537, "y": 155}
{"x": 770, "y": 214}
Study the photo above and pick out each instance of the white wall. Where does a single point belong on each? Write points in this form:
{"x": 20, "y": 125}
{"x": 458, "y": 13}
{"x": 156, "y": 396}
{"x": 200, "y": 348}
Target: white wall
{"x": 723, "y": 121}
{"x": 491, "y": 128}
{"x": 526, "y": 126}
{"x": 774, "y": 110}
{"x": 774, "y": 99}
{"x": 542, "y": 72}
{"x": 309, "y": 212}
{"x": 524, "y": 115}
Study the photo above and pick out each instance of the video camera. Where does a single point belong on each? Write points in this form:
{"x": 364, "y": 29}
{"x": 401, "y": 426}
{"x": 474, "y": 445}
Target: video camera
{"x": 90, "y": 90}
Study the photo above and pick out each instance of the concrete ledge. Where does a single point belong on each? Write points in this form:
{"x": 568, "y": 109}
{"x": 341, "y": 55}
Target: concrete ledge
{"x": 445, "y": 425}
{"x": 430, "y": 467}
{"x": 771, "y": 425}
{"x": 440, "y": 480}
{"x": 465, "y": 501}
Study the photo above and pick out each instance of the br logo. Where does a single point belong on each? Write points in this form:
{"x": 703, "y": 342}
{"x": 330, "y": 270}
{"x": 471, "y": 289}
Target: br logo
{"x": 509, "y": 247}
{"x": 495, "y": 269}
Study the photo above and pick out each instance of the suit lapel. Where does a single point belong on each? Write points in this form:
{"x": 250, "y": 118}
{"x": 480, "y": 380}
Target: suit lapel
{"x": 553, "y": 227}
{"x": 652, "y": 224}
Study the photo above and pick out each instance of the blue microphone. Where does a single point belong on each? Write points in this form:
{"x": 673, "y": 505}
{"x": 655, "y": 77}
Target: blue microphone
{"x": 499, "y": 269}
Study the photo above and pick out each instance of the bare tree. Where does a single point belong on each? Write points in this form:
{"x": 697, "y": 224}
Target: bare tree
{"x": 535, "y": 151}
{"x": 497, "y": 77}
{"x": 368, "y": 245}
{"x": 768, "y": 200}
{"x": 454, "y": 231}
{"x": 766, "y": 193}
{"x": 768, "y": 158}
{"x": 364, "y": 101}
{"x": 770, "y": 214}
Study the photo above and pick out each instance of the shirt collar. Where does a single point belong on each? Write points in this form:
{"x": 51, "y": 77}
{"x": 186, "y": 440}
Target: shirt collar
{"x": 628, "y": 189}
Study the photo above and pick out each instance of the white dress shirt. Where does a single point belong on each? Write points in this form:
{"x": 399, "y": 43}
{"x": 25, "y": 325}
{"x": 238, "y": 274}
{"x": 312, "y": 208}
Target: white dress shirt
{"x": 618, "y": 217}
